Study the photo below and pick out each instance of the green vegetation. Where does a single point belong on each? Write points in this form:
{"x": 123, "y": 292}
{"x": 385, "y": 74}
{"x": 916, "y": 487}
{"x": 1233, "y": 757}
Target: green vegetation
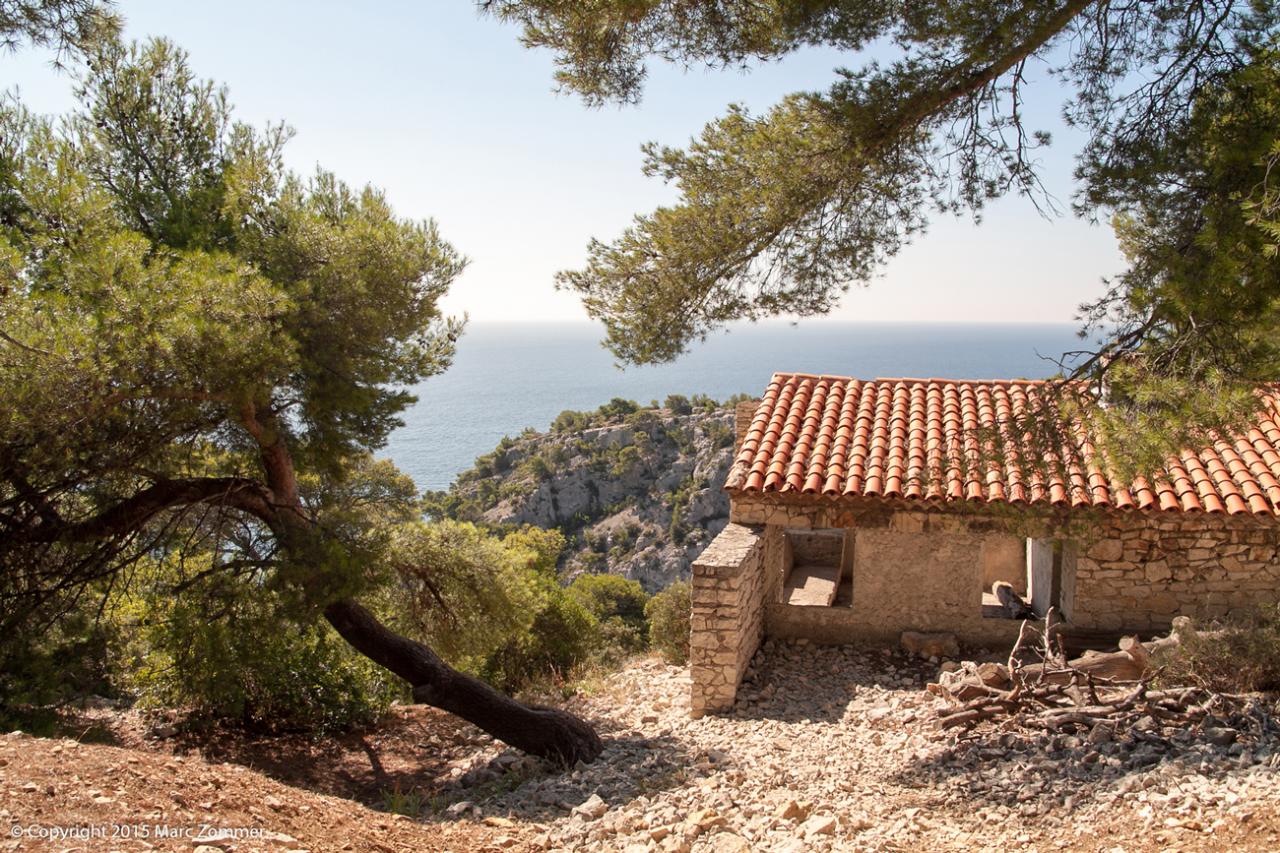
{"x": 570, "y": 421}
{"x": 678, "y": 404}
{"x": 1239, "y": 654}
{"x": 668, "y": 614}
{"x": 721, "y": 435}
{"x": 494, "y": 606}
{"x": 625, "y": 460}
{"x": 618, "y": 408}
{"x": 562, "y": 636}
{"x": 201, "y": 352}
{"x": 249, "y": 665}
{"x": 677, "y": 500}
{"x": 1195, "y": 316}
{"x": 408, "y": 803}
{"x": 46, "y": 670}
{"x": 618, "y": 606}
{"x": 466, "y": 591}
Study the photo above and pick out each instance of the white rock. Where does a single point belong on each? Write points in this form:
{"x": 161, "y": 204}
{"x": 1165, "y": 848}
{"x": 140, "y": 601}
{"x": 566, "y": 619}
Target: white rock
{"x": 593, "y": 808}
{"x": 817, "y": 825}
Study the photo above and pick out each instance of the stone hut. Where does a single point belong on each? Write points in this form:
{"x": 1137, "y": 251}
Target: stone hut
{"x": 863, "y": 509}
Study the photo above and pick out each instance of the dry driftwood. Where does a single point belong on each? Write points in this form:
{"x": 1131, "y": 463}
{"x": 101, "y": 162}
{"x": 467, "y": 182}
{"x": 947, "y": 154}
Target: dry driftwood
{"x": 1056, "y": 694}
{"x": 1130, "y": 663}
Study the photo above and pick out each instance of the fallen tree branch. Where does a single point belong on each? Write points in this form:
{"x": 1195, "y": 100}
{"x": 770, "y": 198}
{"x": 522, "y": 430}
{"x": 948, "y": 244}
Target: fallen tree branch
{"x": 1111, "y": 689}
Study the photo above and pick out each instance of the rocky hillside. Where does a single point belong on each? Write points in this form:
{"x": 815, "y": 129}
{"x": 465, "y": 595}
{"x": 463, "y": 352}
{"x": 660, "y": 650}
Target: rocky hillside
{"x": 636, "y": 491}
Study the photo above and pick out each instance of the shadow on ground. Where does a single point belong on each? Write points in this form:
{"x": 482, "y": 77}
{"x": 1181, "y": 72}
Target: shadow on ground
{"x": 793, "y": 683}
{"x": 413, "y": 749}
{"x": 631, "y": 766}
{"x": 1052, "y": 768}
{"x": 418, "y": 761}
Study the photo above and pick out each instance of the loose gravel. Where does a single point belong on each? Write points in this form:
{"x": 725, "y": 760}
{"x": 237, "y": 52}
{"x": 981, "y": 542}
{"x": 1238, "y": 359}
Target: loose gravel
{"x": 834, "y": 748}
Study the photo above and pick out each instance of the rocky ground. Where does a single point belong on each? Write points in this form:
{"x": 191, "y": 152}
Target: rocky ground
{"x": 835, "y": 749}
{"x": 830, "y": 749}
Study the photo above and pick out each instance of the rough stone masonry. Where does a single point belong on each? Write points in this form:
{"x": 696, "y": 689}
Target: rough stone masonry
{"x": 727, "y": 619}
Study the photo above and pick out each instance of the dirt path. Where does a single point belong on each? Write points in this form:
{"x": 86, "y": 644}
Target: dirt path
{"x": 60, "y": 795}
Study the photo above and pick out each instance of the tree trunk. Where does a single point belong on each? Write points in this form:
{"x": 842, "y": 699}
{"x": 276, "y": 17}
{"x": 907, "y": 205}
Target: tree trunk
{"x": 546, "y": 732}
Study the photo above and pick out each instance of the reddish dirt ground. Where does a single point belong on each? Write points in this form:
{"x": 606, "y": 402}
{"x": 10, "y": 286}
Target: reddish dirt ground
{"x": 275, "y": 793}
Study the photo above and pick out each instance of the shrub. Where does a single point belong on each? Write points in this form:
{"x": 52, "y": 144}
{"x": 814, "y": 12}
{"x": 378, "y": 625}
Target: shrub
{"x": 593, "y": 562}
{"x": 618, "y": 408}
{"x": 668, "y": 614}
{"x": 538, "y": 467}
{"x": 225, "y": 650}
{"x": 1237, "y": 655}
{"x": 643, "y": 421}
{"x": 539, "y": 548}
{"x": 596, "y": 540}
{"x": 465, "y": 591}
{"x": 625, "y": 461}
{"x": 720, "y": 435}
{"x": 571, "y": 421}
{"x": 679, "y": 404}
{"x": 562, "y": 636}
{"x": 492, "y": 607}
{"x": 704, "y": 402}
{"x": 677, "y": 530}
{"x": 40, "y": 671}
{"x": 618, "y": 605}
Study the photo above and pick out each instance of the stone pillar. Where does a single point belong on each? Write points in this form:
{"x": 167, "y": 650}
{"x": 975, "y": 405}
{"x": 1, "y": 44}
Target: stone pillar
{"x": 1040, "y": 573}
{"x": 727, "y": 622}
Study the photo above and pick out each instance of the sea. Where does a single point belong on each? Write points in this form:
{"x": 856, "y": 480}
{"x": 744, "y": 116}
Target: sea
{"x": 509, "y": 376}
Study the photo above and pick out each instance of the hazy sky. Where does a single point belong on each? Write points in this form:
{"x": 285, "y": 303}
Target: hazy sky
{"x": 447, "y": 112}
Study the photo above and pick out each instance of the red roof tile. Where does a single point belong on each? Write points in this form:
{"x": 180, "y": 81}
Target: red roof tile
{"x": 932, "y": 440}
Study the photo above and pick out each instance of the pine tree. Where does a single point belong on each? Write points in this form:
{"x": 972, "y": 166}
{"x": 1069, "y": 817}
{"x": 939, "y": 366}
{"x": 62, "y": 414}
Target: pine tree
{"x": 200, "y": 352}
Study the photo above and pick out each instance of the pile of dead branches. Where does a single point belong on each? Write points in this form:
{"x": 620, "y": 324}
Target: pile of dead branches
{"x": 1038, "y": 688}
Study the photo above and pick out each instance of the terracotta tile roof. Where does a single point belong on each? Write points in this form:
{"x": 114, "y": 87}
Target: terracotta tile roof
{"x": 921, "y": 439}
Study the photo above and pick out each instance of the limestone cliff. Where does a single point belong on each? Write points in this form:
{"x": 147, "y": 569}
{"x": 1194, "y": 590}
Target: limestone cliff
{"x": 637, "y": 491}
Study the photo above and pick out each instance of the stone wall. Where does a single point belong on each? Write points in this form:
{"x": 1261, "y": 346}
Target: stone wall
{"x": 816, "y": 547}
{"x": 911, "y": 570}
{"x": 926, "y": 570}
{"x": 1004, "y": 558}
{"x": 1128, "y": 570}
{"x": 727, "y": 621}
{"x": 906, "y": 576}
{"x": 1136, "y": 572}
